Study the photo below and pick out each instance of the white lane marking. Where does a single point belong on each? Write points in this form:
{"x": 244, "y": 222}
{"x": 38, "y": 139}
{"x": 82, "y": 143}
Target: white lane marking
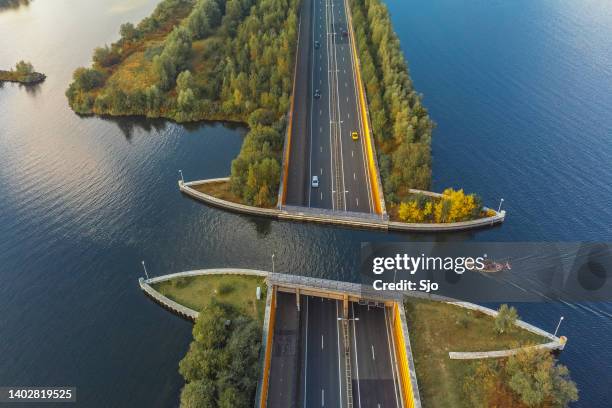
{"x": 354, "y": 176}
{"x": 345, "y": 71}
{"x": 339, "y": 353}
{"x": 322, "y": 397}
{"x": 335, "y": 66}
{"x": 322, "y": 342}
{"x": 352, "y": 154}
{"x": 373, "y": 357}
{"x": 321, "y": 149}
{"x": 356, "y": 359}
{"x": 312, "y": 73}
{"x": 321, "y": 196}
{"x": 321, "y": 170}
{"x": 349, "y": 115}
{"x": 306, "y": 355}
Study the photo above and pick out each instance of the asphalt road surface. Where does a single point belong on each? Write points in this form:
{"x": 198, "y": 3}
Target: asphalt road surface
{"x": 323, "y": 381}
{"x": 375, "y": 383}
{"x": 322, "y": 125}
{"x": 284, "y": 370}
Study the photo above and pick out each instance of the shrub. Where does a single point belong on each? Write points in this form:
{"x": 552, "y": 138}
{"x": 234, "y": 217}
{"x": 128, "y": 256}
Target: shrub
{"x": 505, "y": 319}
{"x": 225, "y": 288}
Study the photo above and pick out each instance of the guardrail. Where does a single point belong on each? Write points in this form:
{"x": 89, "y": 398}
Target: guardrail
{"x": 282, "y": 189}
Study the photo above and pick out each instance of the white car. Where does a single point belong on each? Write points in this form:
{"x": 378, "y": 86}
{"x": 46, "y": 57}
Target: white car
{"x": 315, "y": 181}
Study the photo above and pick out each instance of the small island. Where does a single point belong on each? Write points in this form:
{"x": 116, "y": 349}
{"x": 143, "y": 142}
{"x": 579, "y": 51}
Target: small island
{"x": 6, "y": 4}
{"x": 23, "y": 73}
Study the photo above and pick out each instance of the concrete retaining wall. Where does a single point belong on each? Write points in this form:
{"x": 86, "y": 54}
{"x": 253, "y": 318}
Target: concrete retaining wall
{"x": 354, "y": 220}
{"x": 261, "y": 396}
{"x": 170, "y": 304}
{"x": 477, "y": 355}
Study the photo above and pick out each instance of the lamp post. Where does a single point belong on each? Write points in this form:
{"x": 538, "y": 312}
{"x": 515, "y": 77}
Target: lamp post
{"x": 558, "y": 324}
{"x": 145, "y": 269}
{"x": 273, "y": 255}
{"x": 500, "y": 205}
{"x": 181, "y": 173}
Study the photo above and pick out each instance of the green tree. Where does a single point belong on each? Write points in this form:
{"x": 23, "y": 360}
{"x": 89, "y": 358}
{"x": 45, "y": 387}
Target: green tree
{"x": 24, "y": 68}
{"x": 506, "y": 319}
{"x": 128, "y": 31}
{"x": 186, "y": 100}
{"x": 86, "y": 79}
{"x": 105, "y": 56}
{"x": 184, "y": 81}
{"x": 199, "y": 394}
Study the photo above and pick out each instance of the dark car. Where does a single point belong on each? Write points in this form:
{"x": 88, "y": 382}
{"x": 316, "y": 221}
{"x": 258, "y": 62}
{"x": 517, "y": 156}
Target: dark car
{"x": 317, "y": 93}
{"x": 344, "y": 33}
{"x": 317, "y": 45}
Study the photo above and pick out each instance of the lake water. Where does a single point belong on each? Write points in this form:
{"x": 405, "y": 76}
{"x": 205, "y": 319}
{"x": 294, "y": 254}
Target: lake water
{"x": 522, "y": 95}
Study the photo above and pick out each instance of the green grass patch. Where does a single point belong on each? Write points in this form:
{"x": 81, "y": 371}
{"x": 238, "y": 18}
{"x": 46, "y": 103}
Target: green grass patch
{"x": 222, "y": 190}
{"x": 436, "y": 328}
{"x": 196, "y": 292}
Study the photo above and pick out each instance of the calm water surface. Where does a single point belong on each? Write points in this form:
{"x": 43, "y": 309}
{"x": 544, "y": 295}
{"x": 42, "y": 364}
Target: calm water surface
{"x": 521, "y": 92}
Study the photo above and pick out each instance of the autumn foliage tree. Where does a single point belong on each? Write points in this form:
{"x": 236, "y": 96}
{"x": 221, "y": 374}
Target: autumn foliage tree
{"x": 530, "y": 378}
{"x": 452, "y": 206}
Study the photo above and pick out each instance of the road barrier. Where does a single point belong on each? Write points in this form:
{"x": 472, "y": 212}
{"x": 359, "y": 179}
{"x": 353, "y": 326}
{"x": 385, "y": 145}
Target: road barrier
{"x": 282, "y": 193}
{"x": 407, "y": 373}
{"x": 263, "y": 400}
{"x": 375, "y": 183}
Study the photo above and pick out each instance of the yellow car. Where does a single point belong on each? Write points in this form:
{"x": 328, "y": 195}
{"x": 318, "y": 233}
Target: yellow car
{"x": 355, "y": 135}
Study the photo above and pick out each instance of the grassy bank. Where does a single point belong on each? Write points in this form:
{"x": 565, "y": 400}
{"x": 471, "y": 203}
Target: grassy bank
{"x": 198, "y": 292}
{"x": 436, "y": 328}
{"x": 222, "y": 190}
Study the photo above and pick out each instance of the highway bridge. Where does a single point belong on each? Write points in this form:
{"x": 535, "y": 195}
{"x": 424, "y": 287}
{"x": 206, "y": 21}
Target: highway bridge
{"x": 320, "y": 358}
{"x": 325, "y": 114}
